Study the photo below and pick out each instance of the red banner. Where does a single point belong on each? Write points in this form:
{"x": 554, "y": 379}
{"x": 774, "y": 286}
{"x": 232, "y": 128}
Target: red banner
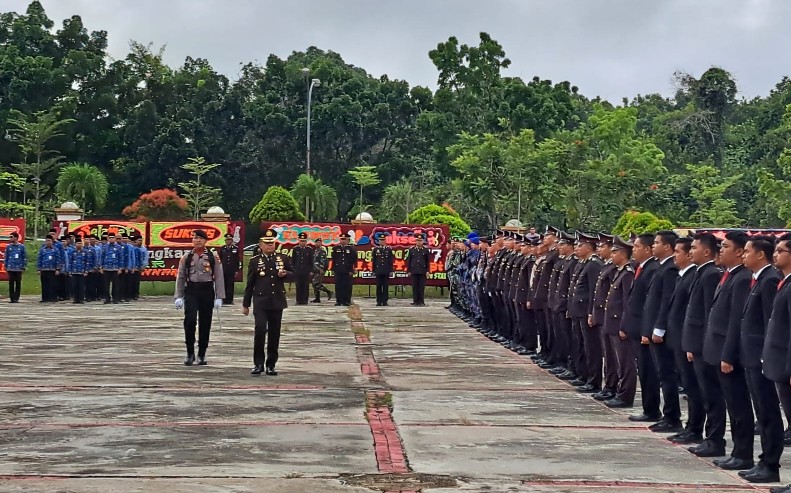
{"x": 8, "y": 226}
{"x": 399, "y": 237}
{"x": 166, "y": 242}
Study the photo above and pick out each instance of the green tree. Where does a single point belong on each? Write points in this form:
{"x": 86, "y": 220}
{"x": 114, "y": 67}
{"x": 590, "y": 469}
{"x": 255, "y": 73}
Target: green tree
{"x": 708, "y": 189}
{"x": 635, "y": 222}
{"x": 322, "y": 198}
{"x": 199, "y": 195}
{"x": 436, "y": 214}
{"x": 277, "y": 204}
{"x": 84, "y": 184}
{"x": 364, "y": 176}
{"x": 400, "y": 199}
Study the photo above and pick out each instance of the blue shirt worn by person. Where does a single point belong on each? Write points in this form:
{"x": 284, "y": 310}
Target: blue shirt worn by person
{"x": 15, "y": 257}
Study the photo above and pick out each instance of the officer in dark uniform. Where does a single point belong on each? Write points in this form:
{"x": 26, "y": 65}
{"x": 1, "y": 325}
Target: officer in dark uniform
{"x": 344, "y": 260}
{"x": 266, "y": 275}
{"x": 383, "y": 267}
{"x": 302, "y": 259}
{"x": 231, "y": 263}
{"x": 417, "y": 265}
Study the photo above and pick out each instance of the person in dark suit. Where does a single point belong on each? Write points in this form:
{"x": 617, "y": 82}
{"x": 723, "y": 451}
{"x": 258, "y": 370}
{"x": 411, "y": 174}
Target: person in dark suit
{"x": 656, "y": 310}
{"x": 701, "y": 295}
{"x": 383, "y": 267}
{"x": 670, "y": 329}
{"x": 417, "y": 264}
{"x": 567, "y": 351}
{"x": 754, "y": 322}
{"x": 721, "y": 353}
{"x": 344, "y": 262}
{"x": 579, "y": 306}
{"x": 526, "y": 317}
{"x": 776, "y": 361}
{"x": 615, "y": 325}
{"x": 231, "y": 263}
{"x": 541, "y": 298}
{"x": 266, "y": 275}
{"x": 596, "y": 318}
{"x": 302, "y": 260}
{"x": 646, "y": 269}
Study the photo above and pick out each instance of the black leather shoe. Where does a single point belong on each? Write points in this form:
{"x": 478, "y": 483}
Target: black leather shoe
{"x": 761, "y": 474}
{"x": 578, "y": 382}
{"x": 189, "y": 360}
{"x": 780, "y": 489}
{"x": 708, "y": 449}
{"x": 257, "y": 370}
{"x": 329, "y": 296}
{"x": 568, "y": 376}
{"x": 617, "y": 403}
{"x": 645, "y": 418}
{"x": 202, "y": 361}
{"x": 546, "y": 366}
{"x": 734, "y": 464}
{"x": 588, "y": 389}
{"x": 315, "y": 301}
{"x": 271, "y": 371}
{"x": 686, "y": 437}
{"x": 666, "y": 427}
{"x": 603, "y": 396}
{"x": 787, "y": 437}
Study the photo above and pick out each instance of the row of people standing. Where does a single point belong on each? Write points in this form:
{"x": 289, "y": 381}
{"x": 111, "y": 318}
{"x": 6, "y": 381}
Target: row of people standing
{"x": 602, "y": 313}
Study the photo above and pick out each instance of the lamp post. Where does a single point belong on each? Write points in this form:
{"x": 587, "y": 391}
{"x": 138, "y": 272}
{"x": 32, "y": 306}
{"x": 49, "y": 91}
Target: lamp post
{"x": 37, "y": 181}
{"x": 313, "y": 83}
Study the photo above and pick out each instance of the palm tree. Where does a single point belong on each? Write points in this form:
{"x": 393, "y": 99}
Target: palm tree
{"x": 322, "y": 198}
{"x": 83, "y": 183}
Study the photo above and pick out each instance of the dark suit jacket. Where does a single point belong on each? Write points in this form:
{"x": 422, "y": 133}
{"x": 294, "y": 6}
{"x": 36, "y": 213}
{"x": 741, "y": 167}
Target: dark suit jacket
{"x": 541, "y": 299}
{"x": 302, "y": 259}
{"x": 673, "y": 323}
{"x": 658, "y": 301}
{"x": 584, "y": 284}
{"x": 617, "y": 300}
{"x": 564, "y": 283}
{"x": 599, "y": 301}
{"x": 755, "y": 317}
{"x": 523, "y": 282}
{"x": 722, "y": 331}
{"x": 383, "y": 260}
{"x": 635, "y": 309}
{"x": 701, "y": 294}
{"x": 777, "y": 364}
{"x": 264, "y": 284}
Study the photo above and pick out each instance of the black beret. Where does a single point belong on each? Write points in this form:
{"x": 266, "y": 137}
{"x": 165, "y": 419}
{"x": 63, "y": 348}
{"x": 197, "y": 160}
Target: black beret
{"x": 199, "y": 233}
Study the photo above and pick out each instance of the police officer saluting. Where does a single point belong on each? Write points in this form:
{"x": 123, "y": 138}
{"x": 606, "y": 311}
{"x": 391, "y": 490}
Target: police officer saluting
{"x": 266, "y": 274}
{"x": 302, "y": 259}
{"x": 344, "y": 258}
{"x": 15, "y": 264}
{"x": 417, "y": 266}
{"x": 383, "y": 267}
{"x": 231, "y": 263}
{"x": 199, "y": 290}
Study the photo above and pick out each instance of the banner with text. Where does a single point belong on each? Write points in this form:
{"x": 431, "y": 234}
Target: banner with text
{"x": 8, "y": 226}
{"x": 399, "y": 237}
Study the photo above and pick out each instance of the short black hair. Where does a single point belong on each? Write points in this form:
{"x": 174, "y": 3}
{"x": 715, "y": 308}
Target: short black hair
{"x": 764, "y": 244}
{"x": 646, "y": 239}
{"x": 686, "y": 243}
{"x": 709, "y": 241}
{"x": 668, "y": 237}
{"x": 783, "y": 239}
{"x": 738, "y": 238}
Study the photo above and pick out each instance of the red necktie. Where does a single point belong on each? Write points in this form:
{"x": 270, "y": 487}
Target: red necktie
{"x": 780, "y": 284}
{"x": 725, "y": 277}
{"x": 639, "y": 270}
{"x": 753, "y": 282}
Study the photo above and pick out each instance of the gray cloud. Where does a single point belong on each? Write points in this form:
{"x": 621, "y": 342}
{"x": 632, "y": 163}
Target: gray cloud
{"x": 611, "y": 48}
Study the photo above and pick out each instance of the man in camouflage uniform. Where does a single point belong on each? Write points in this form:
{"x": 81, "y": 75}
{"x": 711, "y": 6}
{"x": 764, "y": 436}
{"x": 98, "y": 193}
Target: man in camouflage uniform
{"x": 452, "y": 261}
{"x": 320, "y": 263}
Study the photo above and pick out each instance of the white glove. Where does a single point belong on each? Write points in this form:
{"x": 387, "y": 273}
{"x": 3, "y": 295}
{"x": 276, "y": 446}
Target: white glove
{"x": 179, "y": 303}
{"x": 217, "y": 303}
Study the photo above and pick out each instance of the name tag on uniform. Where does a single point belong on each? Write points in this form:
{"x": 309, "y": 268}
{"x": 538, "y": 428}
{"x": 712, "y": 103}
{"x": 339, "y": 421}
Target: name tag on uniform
{"x": 112, "y": 255}
{"x": 16, "y": 255}
{"x": 49, "y": 257}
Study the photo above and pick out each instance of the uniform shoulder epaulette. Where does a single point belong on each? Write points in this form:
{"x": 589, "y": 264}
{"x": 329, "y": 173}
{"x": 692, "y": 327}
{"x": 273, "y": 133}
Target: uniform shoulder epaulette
{"x": 629, "y": 268}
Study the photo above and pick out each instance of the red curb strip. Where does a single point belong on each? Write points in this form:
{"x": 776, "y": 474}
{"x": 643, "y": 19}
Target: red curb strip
{"x": 390, "y": 455}
{"x": 641, "y": 484}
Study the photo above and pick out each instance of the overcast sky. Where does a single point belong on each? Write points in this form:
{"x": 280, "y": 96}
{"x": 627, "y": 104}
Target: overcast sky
{"x": 611, "y": 48}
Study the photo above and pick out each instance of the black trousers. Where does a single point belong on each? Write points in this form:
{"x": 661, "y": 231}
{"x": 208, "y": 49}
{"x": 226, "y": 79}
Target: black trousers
{"x": 198, "y": 308}
{"x": 561, "y": 332}
{"x": 267, "y": 325}
{"x": 49, "y": 291}
{"x": 418, "y": 289}
{"x": 93, "y": 284}
{"x": 770, "y": 419}
{"x": 784, "y": 393}
{"x": 527, "y": 327}
{"x": 78, "y": 287}
{"x": 649, "y": 381}
{"x": 136, "y": 277}
{"x": 709, "y": 381}
{"x": 228, "y": 278}
{"x": 62, "y": 283}
{"x": 112, "y": 286}
{"x": 303, "y": 287}
{"x": 610, "y": 366}
{"x": 740, "y": 411}
{"x": 14, "y": 285}
{"x": 696, "y": 408}
{"x": 343, "y": 288}
{"x": 577, "y": 346}
{"x": 382, "y": 288}
{"x": 665, "y": 363}
{"x": 594, "y": 352}
{"x": 541, "y": 328}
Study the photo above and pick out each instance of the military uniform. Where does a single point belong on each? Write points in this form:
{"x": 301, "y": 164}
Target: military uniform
{"x": 265, "y": 289}
{"x": 452, "y": 261}
{"x": 320, "y": 263}
{"x": 581, "y": 293}
{"x": 302, "y": 260}
{"x": 15, "y": 262}
{"x": 200, "y": 289}
{"x": 596, "y": 317}
{"x": 383, "y": 267}
{"x": 344, "y": 259}
{"x": 417, "y": 265}
{"x": 231, "y": 263}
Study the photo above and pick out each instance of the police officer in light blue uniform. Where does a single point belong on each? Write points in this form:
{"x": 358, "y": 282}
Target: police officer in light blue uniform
{"x": 79, "y": 265}
{"x": 110, "y": 265}
{"x": 46, "y": 267}
{"x": 15, "y": 263}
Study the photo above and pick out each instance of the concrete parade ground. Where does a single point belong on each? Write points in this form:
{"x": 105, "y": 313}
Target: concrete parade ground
{"x": 398, "y": 399}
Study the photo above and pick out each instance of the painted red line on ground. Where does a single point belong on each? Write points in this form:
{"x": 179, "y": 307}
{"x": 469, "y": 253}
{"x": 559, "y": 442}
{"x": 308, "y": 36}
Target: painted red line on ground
{"x": 25, "y": 387}
{"x": 525, "y": 425}
{"x": 168, "y": 424}
{"x": 644, "y": 484}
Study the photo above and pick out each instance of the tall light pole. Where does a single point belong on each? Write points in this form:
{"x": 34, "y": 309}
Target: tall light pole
{"x": 313, "y": 83}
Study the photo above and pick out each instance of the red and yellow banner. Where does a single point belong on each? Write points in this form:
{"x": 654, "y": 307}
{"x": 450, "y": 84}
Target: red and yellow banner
{"x": 8, "y": 226}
